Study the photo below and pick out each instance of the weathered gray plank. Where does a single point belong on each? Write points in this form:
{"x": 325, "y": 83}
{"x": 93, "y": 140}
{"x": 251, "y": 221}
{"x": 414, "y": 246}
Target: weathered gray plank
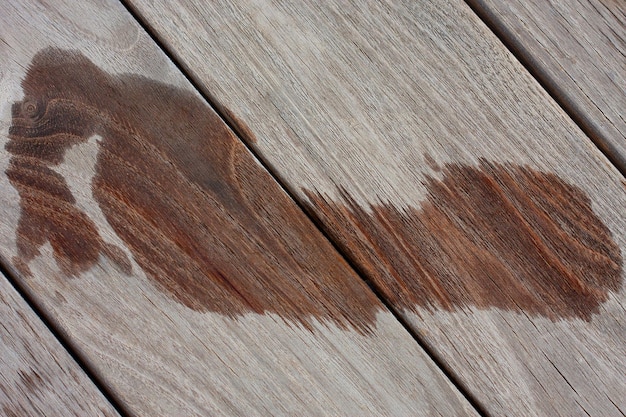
{"x": 578, "y": 50}
{"x": 37, "y": 375}
{"x": 189, "y": 280}
{"x": 446, "y": 173}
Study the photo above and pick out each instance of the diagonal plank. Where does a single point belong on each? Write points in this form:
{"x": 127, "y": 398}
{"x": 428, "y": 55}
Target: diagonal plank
{"x": 578, "y": 50}
{"x": 37, "y": 375}
{"x": 176, "y": 265}
{"x": 444, "y": 172}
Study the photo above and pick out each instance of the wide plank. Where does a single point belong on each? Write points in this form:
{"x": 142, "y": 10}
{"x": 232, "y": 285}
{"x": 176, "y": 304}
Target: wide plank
{"x": 187, "y": 278}
{"x": 38, "y": 377}
{"x": 578, "y": 51}
{"x": 445, "y": 173}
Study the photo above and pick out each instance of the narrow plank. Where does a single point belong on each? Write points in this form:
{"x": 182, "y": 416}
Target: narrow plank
{"x": 578, "y": 50}
{"x": 174, "y": 262}
{"x": 37, "y": 375}
{"x": 444, "y": 171}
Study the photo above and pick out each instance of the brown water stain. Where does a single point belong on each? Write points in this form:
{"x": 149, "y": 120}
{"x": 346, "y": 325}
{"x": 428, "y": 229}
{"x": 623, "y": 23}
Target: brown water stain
{"x": 200, "y": 216}
{"x": 492, "y": 235}
{"x": 213, "y": 230}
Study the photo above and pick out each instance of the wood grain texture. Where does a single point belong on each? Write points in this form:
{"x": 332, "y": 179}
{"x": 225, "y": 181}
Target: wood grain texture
{"x": 578, "y": 49}
{"x": 445, "y": 172}
{"x": 190, "y": 282}
{"x": 37, "y": 375}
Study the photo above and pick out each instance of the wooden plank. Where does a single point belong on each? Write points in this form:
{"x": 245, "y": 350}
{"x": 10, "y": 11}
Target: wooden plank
{"x": 189, "y": 280}
{"x": 578, "y": 50}
{"x": 444, "y": 170}
{"x": 37, "y": 375}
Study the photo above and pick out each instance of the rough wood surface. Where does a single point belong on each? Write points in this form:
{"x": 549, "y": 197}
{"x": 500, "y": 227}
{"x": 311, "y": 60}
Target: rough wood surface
{"x": 176, "y": 265}
{"x": 37, "y": 375}
{"x": 577, "y": 49}
{"x": 446, "y": 173}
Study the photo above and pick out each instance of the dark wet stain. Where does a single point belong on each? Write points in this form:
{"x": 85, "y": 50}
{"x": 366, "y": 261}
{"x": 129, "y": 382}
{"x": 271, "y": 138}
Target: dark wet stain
{"x": 492, "y": 235}
{"x": 204, "y": 221}
{"x": 211, "y": 228}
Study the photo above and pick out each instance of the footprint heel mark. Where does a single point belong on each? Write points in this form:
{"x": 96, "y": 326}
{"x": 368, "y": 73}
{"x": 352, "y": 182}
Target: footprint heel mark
{"x": 492, "y": 235}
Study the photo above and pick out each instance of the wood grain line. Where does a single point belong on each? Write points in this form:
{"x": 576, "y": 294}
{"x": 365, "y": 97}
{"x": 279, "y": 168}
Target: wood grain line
{"x": 359, "y": 105}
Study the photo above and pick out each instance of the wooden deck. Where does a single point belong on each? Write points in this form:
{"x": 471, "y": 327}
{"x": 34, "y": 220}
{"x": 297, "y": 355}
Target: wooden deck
{"x": 324, "y": 208}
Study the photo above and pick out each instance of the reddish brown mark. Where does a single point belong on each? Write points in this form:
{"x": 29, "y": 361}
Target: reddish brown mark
{"x": 492, "y": 235}
{"x": 212, "y": 229}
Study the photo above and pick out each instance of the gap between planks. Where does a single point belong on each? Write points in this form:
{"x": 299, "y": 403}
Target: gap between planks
{"x": 371, "y": 299}
{"x": 241, "y": 132}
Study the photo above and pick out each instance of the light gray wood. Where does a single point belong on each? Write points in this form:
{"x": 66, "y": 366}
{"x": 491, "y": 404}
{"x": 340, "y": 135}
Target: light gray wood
{"x": 578, "y": 49}
{"x": 363, "y": 105}
{"x": 162, "y": 355}
{"x": 37, "y": 375}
